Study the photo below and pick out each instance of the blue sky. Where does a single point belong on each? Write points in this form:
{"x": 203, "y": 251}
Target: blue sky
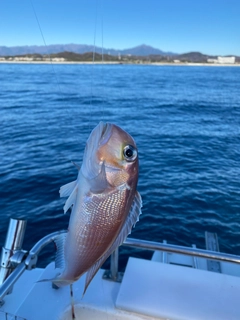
{"x": 208, "y": 26}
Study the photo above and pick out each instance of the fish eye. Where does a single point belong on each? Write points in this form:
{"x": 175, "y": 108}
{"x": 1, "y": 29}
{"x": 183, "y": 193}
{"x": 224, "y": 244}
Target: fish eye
{"x": 129, "y": 153}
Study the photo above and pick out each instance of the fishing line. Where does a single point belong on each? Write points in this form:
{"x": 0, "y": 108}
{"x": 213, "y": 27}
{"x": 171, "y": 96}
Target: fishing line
{"x": 93, "y": 63}
{"x": 72, "y": 302}
{"x": 102, "y": 73}
{"x": 94, "y": 56}
{"x": 43, "y": 38}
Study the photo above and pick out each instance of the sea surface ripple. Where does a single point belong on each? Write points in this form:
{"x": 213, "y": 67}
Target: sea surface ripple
{"x": 185, "y": 120}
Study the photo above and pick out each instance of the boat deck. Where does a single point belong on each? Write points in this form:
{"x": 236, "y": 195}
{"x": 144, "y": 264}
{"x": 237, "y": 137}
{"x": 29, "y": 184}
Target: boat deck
{"x": 167, "y": 287}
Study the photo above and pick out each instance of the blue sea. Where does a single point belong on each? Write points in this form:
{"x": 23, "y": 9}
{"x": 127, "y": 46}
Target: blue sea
{"x": 186, "y": 123}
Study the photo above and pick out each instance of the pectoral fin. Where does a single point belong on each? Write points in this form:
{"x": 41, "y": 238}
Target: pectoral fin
{"x": 69, "y": 190}
{"x": 71, "y": 200}
{"x": 131, "y": 220}
{"x": 99, "y": 183}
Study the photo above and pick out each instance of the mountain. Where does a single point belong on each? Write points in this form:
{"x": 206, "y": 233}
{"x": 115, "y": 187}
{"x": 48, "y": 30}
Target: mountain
{"x": 198, "y": 57}
{"x": 142, "y": 50}
{"x": 20, "y": 50}
{"x": 194, "y": 57}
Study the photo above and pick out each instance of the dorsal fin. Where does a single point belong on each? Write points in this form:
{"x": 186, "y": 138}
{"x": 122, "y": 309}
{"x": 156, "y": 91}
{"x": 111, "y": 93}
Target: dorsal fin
{"x": 76, "y": 165}
{"x": 131, "y": 220}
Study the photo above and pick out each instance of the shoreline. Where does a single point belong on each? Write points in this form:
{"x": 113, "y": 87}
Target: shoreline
{"x": 123, "y": 63}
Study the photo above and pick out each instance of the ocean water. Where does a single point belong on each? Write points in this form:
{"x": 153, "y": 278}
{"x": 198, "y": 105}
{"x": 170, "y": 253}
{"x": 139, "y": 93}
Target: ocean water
{"x": 185, "y": 120}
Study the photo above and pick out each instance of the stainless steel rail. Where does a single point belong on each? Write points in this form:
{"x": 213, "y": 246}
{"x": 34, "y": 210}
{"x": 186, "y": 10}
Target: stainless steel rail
{"x": 8, "y": 284}
{"x": 31, "y": 259}
{"x": 157, "y": 246}
{"x": 189, "y": 251}
{"x": 29, "y": 263}
{"x": 13, "y": 245}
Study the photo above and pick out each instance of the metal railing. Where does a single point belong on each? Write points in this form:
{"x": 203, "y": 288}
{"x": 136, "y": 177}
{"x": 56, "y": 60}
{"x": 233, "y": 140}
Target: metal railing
{"x": 10, "y": 316}
{"x": 156, "y": 246}
{"x": 12, "y": 251}
{"x": 28, "y": 261}
{"x": 189, "y": 251}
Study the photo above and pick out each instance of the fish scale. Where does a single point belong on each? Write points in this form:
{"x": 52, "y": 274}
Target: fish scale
{"x": 106, "y": 224}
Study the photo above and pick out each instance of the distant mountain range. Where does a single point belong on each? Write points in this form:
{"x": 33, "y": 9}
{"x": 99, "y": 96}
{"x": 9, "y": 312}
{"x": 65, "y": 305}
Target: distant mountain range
{"x": 142, "y": 50}
{"x": 80, "y": 52}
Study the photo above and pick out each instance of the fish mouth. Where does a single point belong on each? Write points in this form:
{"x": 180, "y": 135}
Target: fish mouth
{"x": 98, "y": 137}
{"x": 105, "y": 131}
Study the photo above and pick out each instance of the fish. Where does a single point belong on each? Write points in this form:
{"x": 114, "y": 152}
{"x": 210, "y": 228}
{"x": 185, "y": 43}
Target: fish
{"x": 104, "y": 203}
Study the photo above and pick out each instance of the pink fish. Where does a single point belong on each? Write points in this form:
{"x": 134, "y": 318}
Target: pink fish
{"x": 105, "y": 204}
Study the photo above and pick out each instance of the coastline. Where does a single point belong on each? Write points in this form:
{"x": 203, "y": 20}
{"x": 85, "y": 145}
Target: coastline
{"x": 124, "y": 63}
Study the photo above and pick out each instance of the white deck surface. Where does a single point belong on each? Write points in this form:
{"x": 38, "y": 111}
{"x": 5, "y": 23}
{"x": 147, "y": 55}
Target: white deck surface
{"x": 150, "y": 290}
{"x": 178, "y": 293}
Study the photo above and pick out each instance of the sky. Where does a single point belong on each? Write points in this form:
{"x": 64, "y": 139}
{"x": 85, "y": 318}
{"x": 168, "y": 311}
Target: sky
{"x": 208, "y": 26}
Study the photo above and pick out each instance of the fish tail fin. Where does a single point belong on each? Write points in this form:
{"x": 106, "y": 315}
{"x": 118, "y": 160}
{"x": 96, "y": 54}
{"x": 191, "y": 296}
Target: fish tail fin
{"x": 60, "y": 245}
{"x": 59, "y": 279}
